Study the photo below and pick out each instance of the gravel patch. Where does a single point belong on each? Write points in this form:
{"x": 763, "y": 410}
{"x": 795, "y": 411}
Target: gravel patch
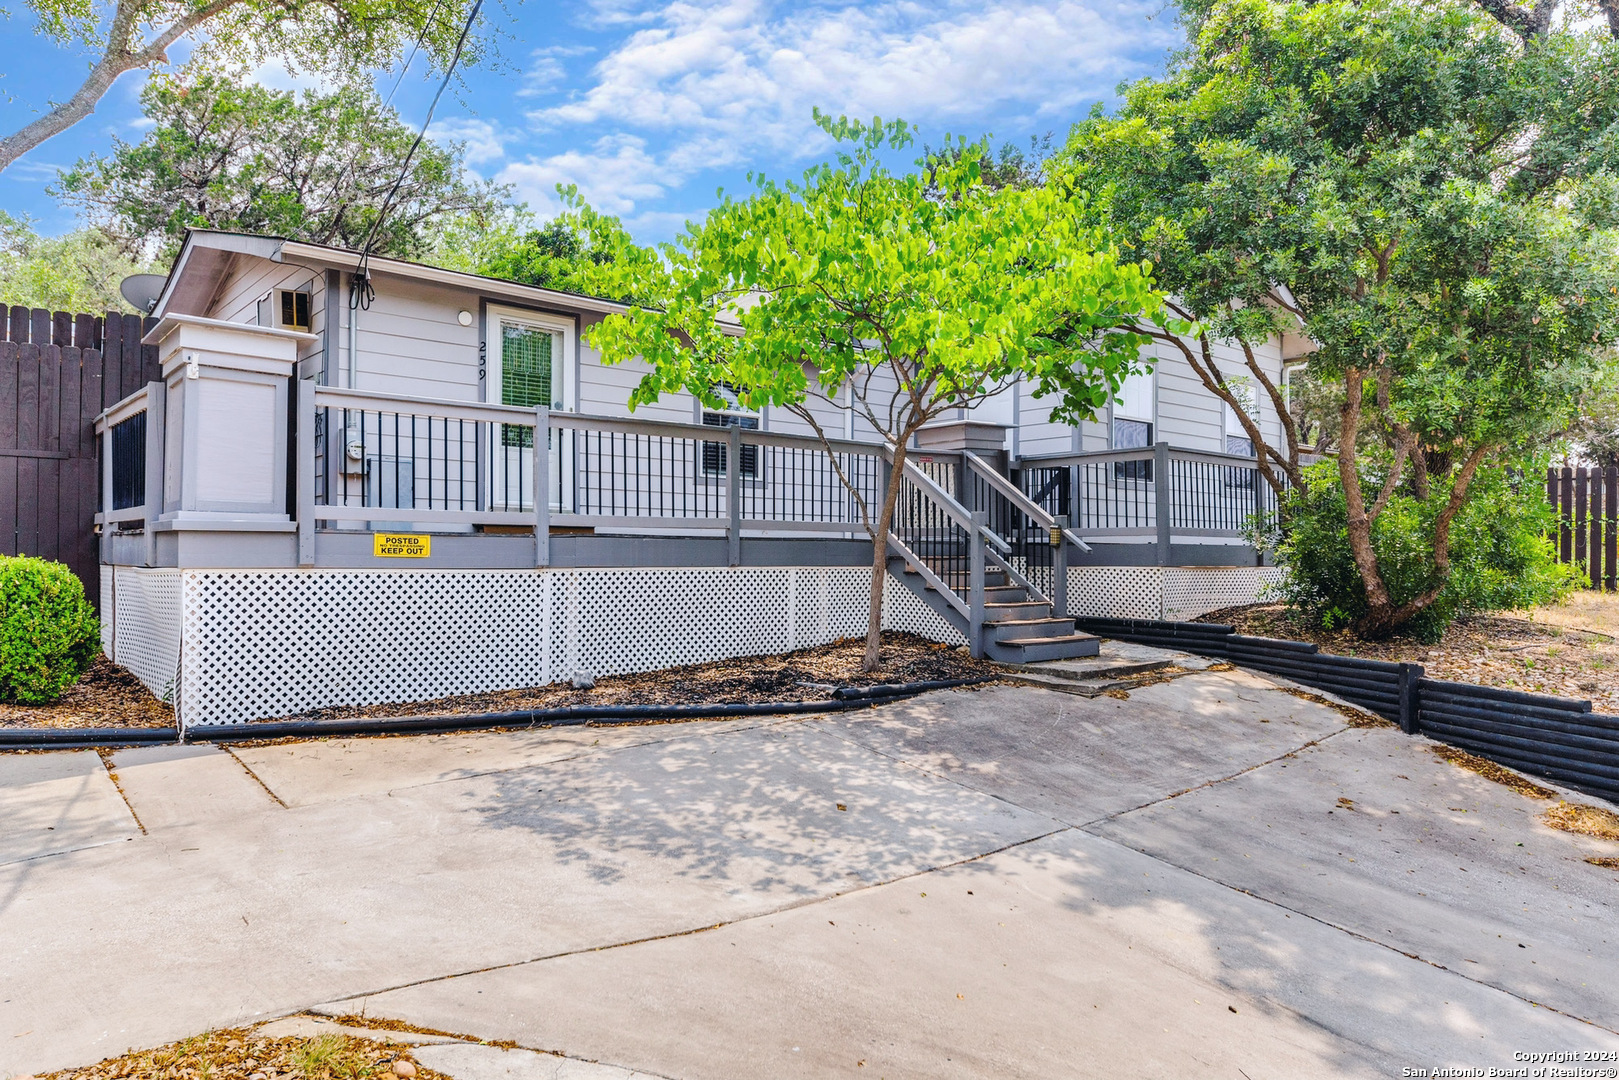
{"x": 1504, "y": 651}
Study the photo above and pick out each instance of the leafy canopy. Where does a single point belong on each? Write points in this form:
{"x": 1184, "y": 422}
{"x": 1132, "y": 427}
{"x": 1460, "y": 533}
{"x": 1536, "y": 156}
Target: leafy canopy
{"x": 77, "y": 271}
{"x": 314, "y": 167}
{"x": 560, "y": 254}
{"x": 950, "y": 287}
{"x": 1423, "y": 197}
{"x": 1424, "y": 194}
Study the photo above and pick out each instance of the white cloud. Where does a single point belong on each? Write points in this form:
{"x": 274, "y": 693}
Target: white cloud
{"x": 24, "y": 169}
{"x": 542, "y": 73}
{"x": 545, "y": 68}
{"x": 613, "y": 175}
{"x": 739, "y": 75}
{"x": 485, "y": 142}
{"x": 276, "y": 75}
{"x": 700, "y": 85}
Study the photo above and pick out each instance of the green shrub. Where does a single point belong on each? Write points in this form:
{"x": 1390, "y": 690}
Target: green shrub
{"x": 48, "y": 631}
{"x": 1500, "y": 556}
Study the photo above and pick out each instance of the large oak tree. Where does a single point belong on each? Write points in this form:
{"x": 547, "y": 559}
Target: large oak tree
{"x": 315, "y": 167}
{"x": 1417, "y": 191}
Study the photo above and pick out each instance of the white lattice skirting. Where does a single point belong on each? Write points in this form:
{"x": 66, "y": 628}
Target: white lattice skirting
{"x": 1165, "y": 592}
{"x": 248, "y": 644}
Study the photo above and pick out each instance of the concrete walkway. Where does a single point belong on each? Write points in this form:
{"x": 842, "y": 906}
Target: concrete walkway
{"x": 1211, "y": 877}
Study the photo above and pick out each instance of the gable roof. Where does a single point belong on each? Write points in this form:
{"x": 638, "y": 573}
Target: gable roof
{"x": 206, "y": 252}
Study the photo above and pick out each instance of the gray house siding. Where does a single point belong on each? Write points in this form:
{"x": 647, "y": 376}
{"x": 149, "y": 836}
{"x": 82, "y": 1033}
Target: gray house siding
{"x": 411, "y": 342}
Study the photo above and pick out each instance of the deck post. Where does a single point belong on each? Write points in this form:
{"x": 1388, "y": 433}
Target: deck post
{"x": 542, "y": 486}
{"x": 733, "y": 498}
{"x": 156, "y": 393}
{"x": 305, "y": 471}
{"x": 1059, "y": 566}
{"x": 1074, "y": 514}
{"x": 1161, "y": 485}
{"x": 975, "y": 588}
{"x": 107, "y": 527}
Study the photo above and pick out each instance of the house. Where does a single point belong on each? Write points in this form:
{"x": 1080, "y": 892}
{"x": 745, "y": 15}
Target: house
{"x": 427, "y": 483}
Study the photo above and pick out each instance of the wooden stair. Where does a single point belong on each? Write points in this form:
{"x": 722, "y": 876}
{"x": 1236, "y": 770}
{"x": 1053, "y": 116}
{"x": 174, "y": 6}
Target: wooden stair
{"x": 1017, "y": 628}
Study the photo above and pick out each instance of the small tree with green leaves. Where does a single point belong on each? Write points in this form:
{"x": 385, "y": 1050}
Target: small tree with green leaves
{"x": 897, "y": 295}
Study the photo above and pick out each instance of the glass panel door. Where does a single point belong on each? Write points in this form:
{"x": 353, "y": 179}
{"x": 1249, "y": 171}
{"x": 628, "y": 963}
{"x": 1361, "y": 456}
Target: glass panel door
{"x": 531, "y": 358}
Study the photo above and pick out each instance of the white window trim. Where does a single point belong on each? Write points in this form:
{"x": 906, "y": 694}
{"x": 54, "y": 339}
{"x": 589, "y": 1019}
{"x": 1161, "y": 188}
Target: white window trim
{"x": 1230, "y": 428}
{"x": 1152, "y": 420}
{"x": 494, "y": 316}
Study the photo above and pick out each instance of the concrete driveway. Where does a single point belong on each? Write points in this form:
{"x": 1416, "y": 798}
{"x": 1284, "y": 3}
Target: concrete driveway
{"x": 1212, "y": 877}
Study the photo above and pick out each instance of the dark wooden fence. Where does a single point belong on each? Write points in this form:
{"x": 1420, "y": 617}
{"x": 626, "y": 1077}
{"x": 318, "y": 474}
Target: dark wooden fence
{"x": 1560, "y": 739}
{"x": 57, "y": 371}
{"x": 1587, "y": 502}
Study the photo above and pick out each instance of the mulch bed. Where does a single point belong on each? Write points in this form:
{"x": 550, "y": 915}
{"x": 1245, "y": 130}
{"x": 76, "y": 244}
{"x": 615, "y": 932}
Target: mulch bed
{"x": 106, "y": 695}
{"x": 1491, "y": 650}
{"x": 110, "y": 696}
{"x": 805, "y": 675}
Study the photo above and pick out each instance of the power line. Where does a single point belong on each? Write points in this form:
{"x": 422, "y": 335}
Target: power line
{"x": 414, "y": 49}
{"x": 360, "y": 291}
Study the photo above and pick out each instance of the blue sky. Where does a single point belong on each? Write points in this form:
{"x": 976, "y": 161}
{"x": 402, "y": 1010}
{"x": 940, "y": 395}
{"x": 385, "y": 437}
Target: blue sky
{"x": 650, "y": 107}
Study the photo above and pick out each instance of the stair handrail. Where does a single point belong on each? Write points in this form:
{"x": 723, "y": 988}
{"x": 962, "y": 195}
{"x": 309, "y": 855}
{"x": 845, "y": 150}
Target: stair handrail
{"x": 1016, "y": 578}
{"x": 1016, "y": 497}
{"x": 953, "y": 509}
{"x": 916, "y": 562}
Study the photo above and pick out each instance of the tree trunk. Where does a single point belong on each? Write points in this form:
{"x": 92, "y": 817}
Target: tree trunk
{"x": 879, "y": 562}
{"x": 1359, "y": 521}
{"x": 1382, "y": 623}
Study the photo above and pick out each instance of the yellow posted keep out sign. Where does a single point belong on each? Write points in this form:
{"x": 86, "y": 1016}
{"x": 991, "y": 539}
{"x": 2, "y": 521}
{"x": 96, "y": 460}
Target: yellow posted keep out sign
{"x": 401, "y": 545}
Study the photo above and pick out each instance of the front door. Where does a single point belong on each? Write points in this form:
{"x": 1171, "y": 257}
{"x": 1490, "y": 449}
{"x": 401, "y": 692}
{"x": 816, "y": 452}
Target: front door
{"x": 529, "y": 364}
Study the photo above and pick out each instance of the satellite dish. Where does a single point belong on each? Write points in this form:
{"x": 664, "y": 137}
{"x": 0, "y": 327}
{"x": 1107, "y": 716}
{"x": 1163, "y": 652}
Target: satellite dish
{"x": 142, "y": 290}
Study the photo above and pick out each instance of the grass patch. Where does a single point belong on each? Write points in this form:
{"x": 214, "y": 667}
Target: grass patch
{"x": 1491, "y": 771}
{"x": 237, "y": 1054}
{"x": 1583, "y": 819}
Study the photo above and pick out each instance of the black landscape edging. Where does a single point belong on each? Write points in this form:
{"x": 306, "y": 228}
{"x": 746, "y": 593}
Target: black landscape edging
{"x": 843, "y": 698}
{"x": 80, "y": 738}
{"x": 1557, "y": 738}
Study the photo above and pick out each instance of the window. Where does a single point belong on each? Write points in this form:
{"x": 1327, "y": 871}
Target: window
{"x": 1131, "y": 435}
{"x": 1237, "y": 476}
{"x": 714, "y": 453}
{"x": 527, "y": 375}
{"x": 294, "y": 309}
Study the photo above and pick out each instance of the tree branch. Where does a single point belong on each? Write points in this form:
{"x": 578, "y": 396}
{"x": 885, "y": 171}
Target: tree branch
{"x": 115, "y": 61}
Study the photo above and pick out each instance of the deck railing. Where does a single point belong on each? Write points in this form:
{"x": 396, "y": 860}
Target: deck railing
{"x": 444, "y": 462}
{"x": 616, "y": 471}
{"x": 1160, "y": 492}
{"x": 402, "y": 462}
{"x": 393, "y": 461}
{"x": 1038, "y": 540}
{"x": 131, "y": 433}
